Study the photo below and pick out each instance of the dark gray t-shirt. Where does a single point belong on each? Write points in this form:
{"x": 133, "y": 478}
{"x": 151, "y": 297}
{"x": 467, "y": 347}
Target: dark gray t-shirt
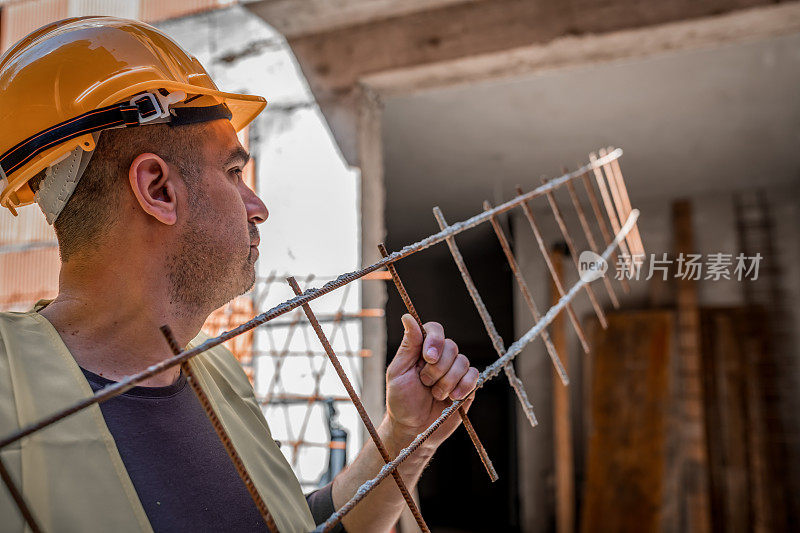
{"x": 179, "y": 468}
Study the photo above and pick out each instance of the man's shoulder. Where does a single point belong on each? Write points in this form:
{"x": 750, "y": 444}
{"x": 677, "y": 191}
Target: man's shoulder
{"x": 15, "y": 324}
{"x": 221, "y": 361}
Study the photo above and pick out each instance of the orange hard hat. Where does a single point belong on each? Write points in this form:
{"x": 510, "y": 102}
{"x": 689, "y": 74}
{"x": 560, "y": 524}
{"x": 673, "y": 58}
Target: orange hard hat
{"x": 79, "y": 76}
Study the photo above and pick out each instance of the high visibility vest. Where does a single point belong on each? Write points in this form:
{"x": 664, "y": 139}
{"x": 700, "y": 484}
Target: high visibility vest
{"x": 71, "y": 473}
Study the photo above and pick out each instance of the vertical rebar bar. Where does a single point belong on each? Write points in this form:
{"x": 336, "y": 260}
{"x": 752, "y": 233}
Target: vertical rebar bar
{"x": 587, "y": 231}
{"x": 497, "y": 341}
{"x": 619, "y": 204}
{"x": 241, "y": 469}
{"x": 601, "y": 221}
{"x": 562, "y": 225}
{"x": 573, "y": 318}
{"x": 473, "y": 435}
{"x": 19, "y": 499}
{"x": 526, "y": 294}
{"x": 362, "y": 412}
{"x": 608, "y": 203}
{"x": 616, "y": 171}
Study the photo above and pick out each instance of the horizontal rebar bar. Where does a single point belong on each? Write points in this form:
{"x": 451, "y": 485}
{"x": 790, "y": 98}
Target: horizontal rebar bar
{"x": 292, "y": 399}
{"x": 488, "y": 373}
{"x": 128, "y": 382}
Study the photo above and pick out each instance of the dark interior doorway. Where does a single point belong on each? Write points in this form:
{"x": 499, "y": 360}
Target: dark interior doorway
{"x": 456, "y": 481}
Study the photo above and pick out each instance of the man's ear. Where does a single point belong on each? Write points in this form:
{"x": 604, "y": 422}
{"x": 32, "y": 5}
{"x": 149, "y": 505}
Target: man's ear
{"x": 154, "y": 187}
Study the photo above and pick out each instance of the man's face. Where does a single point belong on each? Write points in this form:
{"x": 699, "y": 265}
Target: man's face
{"x": 217, "y": 250}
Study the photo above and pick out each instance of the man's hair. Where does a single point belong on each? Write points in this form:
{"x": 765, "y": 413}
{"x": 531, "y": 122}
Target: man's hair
{"x": 94, "y": 205}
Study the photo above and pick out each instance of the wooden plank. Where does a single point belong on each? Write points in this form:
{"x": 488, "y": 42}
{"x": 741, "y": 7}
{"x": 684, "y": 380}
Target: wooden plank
{"x": 693, "y": 503}
{"x": 562, "y": 430}
{"x": 725, "y": 368}
{"x": 629, "y": 401}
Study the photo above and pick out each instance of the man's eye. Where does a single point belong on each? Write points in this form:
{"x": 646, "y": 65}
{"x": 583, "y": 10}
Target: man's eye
{"x": 237, "y": 172}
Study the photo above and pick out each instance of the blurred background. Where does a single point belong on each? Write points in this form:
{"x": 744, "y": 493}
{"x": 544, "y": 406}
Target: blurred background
{"x": 684, "y": 416}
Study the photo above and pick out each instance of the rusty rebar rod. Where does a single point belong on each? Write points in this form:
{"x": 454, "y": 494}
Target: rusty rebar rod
{"x": 473, "y": 435}
{"x": 291, "y": 399}
{"x": 222, "y": 433}
{"x": 562, "y": 225}
{"x": 128, "y": 382}
{"x": 616, "y": 172}
{"x": 601, "y": 221}
{"x": 526, "y": 294}
{"x": 587, "y": 231}
{"x": 19, "y": 499}
{"x": 490, "y": 372}
{"x": 573, "y": 318}
{"x": 362, "y": 412}
{"x": 619, "y": 205}
{"x": 497, "y": 340}
{"x": 611, "y": 211}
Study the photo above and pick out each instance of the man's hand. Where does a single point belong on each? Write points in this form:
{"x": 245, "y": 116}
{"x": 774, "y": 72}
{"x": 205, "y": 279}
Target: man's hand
{"x": 422, "y": 380}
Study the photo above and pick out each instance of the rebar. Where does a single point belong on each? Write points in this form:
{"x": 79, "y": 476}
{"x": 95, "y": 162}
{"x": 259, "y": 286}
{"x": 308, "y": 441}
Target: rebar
{"x": 128, "y": 382}
{"x": 601, "y": 222}
{"x": 619, "y": 204}
{"x": 488, "y": 373}
{"x": 362, "y": 412}
{"x": 22, "y": 505}
{"x": 587, "y": 231}
{"x": 473, "y": 435}
{"x": 616, "y": 171}
{"x": 526, "y": 294}
{"x": 562, "y": 225}
{"x": 573, "y": 318}
{"x": 222, "y": 433}
{"x": 497, "y": 340}
{"x": 608, "y": 203}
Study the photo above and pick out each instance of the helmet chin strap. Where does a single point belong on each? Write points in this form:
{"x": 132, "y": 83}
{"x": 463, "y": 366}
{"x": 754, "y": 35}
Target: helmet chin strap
{"x": 60, "y": 181}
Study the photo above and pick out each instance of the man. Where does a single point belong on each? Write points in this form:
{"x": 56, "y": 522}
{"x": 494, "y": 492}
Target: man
{"x": 131, "y": 152}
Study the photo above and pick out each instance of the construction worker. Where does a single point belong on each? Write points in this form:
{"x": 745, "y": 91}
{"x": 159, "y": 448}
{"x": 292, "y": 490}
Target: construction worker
{"x": 131, "y": 152}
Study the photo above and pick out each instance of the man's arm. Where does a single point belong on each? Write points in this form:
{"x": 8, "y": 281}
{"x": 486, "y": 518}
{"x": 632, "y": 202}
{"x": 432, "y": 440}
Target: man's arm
{"x": 420, "y": 382}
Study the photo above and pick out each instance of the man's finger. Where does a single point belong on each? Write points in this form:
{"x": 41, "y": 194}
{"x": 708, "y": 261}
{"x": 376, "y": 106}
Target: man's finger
{"x": 431, "y": 373}
{"x": 434, "y": 342}
{"x": 466, "y": 384}
{"x": 408, "y": 353}
{"x": 442, "y": 388}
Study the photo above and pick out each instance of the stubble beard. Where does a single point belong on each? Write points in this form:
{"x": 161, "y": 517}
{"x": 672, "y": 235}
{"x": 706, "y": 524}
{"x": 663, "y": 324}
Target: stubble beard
{"x": 202, "y": 276}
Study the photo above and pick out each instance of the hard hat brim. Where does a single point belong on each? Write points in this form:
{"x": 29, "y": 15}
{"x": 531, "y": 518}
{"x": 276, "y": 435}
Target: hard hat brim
{"x": 244, "y": 108}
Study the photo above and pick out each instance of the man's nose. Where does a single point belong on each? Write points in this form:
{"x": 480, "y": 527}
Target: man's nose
{"x": 257, "y": 212}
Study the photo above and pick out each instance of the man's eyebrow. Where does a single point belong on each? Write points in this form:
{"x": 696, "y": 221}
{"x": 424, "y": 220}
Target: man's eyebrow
{"x": 238, "y": 155}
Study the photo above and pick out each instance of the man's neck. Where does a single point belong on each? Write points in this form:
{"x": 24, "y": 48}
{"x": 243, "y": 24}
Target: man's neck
{"x": 110, "y": 322}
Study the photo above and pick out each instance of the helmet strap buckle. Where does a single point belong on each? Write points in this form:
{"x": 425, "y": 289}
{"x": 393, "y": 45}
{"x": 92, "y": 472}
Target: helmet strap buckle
{"x": 154, "y": 106}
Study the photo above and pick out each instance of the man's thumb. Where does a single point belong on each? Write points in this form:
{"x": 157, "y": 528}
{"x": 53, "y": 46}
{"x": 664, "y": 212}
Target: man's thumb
{"x": 409, "y": 351}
